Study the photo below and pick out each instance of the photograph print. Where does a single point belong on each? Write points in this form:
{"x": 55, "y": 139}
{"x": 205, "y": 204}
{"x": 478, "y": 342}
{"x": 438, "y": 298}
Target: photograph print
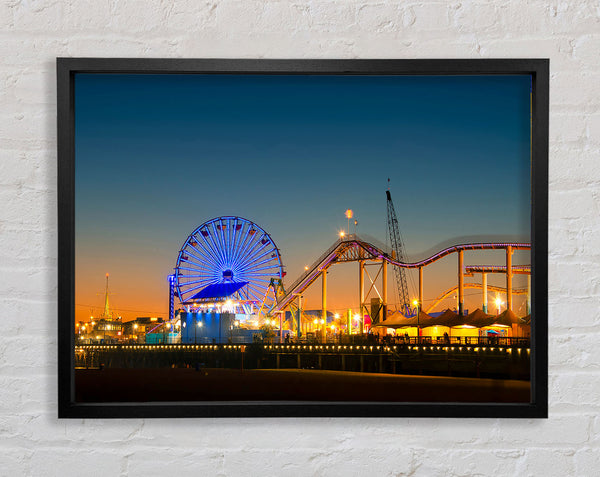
{"x": 295, "y": 239}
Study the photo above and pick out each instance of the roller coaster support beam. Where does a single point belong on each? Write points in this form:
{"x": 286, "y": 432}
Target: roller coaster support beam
{"x": 484, "y": 288}
{"x": 461, "y": 282}
{"x": 509, "y": 275}
{"x": 528, "y": 294}
{"x": 281, "y": 326}
{"x": 420, "y": 286}
{"x": 361, "y": 294}
{"x": 324, "y": 306}
{"x": 298, "y": 324}
{"x": 383, "y": 316}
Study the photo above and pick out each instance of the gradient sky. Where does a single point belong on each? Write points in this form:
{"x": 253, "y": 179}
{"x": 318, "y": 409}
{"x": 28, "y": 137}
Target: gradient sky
{"x": 157, "y": 155}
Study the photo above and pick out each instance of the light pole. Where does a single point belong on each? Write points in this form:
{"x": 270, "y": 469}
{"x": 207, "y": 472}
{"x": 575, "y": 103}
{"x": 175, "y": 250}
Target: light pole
{"x": 498, "y": 305}
{"x": 416, "y": 303}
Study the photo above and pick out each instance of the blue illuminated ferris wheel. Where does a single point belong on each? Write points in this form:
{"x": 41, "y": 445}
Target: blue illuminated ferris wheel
{"x": 228, "y": 250}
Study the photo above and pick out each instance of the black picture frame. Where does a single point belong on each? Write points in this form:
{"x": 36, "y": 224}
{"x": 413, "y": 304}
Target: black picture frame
{"x": 67, "y": 68}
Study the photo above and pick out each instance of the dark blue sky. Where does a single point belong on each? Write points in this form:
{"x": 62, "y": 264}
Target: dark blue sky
{"x": 157, "y": 155}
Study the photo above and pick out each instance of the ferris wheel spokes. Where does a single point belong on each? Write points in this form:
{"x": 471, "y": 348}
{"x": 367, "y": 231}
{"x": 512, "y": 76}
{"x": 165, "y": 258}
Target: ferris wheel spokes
{"x": 228, "y": 249}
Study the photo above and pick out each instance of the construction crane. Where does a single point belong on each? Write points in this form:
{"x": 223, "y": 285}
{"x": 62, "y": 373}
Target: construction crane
{"x": 397, "y": 252}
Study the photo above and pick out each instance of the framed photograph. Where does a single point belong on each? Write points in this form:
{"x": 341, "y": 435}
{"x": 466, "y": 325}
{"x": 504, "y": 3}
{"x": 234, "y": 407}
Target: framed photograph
{"x": 302, "y": 237}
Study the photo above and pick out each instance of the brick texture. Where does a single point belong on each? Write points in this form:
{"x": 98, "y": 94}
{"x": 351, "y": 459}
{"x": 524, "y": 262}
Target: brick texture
{"x": 33, "y": 442}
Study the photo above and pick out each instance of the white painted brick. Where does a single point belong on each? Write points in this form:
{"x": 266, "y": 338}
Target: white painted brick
{"x": 15, "y": 462}
{"x": 514, "y": 435}
{"x": 90, "y": 462}
{"x": 576, "y": 165}
{"x": 43, "y": 15}
{"x": 593, "y": 128}
{"x": 575, "y": 88}
{"x": 106, "y": 431}
{"x": 471, "y": 17}
{"x": 333, "y": 16}
{"x": 20, "y": 352}
{"x": 565, "y": 128}
{"x": 585, "y": 50}
{"x": 565, "y": 276}
{"x": 41, "y": 319}
{"x": 587, "y": 461}
{"x": 380, "y": 17}
{"x": 575, "y": 388}
{"x": 432, "y": 16}
{"x": 562, "y": 355}
{"x": 562, "y": 205}
{"x": 35, "y": 87}
{"x": 565, "y": 311}
{"x": 595, "y": 432}
{"x": 444, "y": 462}
{"x": 547, "y": 462}
{"x": 94, "y": 15}
{"x": 180, "y": 17}
{"x": 189, "y": 461}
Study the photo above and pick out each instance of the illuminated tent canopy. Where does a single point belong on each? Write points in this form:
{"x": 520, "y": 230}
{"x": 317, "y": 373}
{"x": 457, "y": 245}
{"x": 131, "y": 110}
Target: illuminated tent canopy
{"x": 398, "y": 320}
{"x": 479, "y": 319}
{"x": 507, "y": 318}
{"x": 449, "y": 318}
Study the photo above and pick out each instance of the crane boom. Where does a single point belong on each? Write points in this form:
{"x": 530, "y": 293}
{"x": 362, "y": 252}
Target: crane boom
{"x": 398, "y": 249}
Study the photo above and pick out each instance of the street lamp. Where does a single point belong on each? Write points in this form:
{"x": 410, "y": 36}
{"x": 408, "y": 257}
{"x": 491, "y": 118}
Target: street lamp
{"x": 416, "y": 303}
{"x": 499, "y": 303}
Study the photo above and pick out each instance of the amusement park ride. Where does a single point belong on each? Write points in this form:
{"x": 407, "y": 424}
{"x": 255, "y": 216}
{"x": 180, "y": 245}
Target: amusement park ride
{"x": 397, "y": 252}
{"x": 231, "y": 265}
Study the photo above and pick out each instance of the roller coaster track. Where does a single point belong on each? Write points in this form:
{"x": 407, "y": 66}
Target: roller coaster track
{"x": 447, "y": 293}
{"x": 352, "y": 248}
{"x": 516, "y": 269}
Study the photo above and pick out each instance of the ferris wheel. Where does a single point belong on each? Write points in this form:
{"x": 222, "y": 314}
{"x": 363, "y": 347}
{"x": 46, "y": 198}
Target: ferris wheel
{"x": 228, "y": 250}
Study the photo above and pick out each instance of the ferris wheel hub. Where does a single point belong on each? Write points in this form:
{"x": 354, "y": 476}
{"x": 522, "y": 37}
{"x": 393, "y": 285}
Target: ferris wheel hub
{"x": 228, "y": 275}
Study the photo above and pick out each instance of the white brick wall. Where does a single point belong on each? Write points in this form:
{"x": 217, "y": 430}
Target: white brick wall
{"x": 33, "y": 442}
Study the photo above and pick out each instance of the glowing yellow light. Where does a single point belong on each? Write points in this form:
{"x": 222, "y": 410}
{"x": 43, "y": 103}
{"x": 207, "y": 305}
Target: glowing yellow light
{"x": 316, "y": 321}
{"x": 336, "y": 316}
{"x": 135, "y": 326}
{"x": 200, "y": 324}
{"x": 498, "y": 302}
{"x": 342, "y": 234}
{"x": 415, "y": 302}
{"x": 306, "y": 267}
